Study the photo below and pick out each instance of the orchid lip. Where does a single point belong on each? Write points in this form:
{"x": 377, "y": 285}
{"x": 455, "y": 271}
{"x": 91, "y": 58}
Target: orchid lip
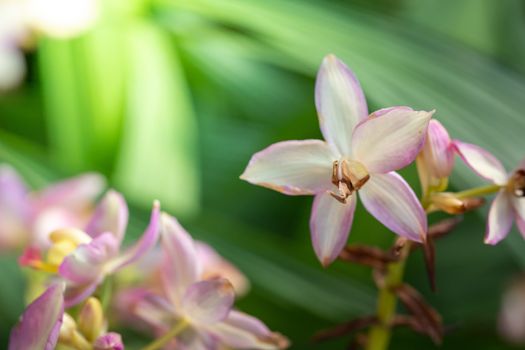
{"x": 348, "y": 176}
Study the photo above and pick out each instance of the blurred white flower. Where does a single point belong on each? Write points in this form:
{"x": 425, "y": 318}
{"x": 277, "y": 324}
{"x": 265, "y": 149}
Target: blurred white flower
{"x": 12, "y": 67}
{"x": 62, "y": 18}
{"x": 512, "y": 313}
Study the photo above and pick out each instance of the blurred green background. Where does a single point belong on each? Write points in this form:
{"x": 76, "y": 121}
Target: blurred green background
{"x": 170, "y": 98}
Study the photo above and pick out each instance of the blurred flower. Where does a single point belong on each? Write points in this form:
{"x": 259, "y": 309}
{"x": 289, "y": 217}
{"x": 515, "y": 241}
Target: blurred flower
{"x": 62, "y": 18}
{"x": 84, "y": 259}
{"x": 194, "y": 313}
{"x": 40, "y": 324}
{"x": 360, "y": 155}
{"x": 509, "y": 203}
{"x": 511, "y": 323}
{"x": 28, "y": 218}
{"x": 90, "y": 329}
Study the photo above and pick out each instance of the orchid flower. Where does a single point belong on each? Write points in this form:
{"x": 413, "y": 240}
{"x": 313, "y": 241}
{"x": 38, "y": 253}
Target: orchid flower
{"x": 360, "y": 155}
{"x": 40, "y": 324}
{"x": 84, "y": 259}
{"x": 509, "y": 203}
{"x": 89, "y": 330}
{"x": 30, "y": 217}
{"x": 195, "y": 313}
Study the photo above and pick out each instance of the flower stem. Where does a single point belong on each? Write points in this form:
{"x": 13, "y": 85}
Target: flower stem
{"x": 478, "y": 191}
{"x": 379, "y": 335}
{"x": 172, "y": 333}
{"x": 107, "y": 289}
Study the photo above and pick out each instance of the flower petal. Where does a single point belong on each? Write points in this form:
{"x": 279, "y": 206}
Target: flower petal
{"x": 14, "y": 208}
{"x": 484, "y": 163}
{"x": 147, "y": 241}
{"x": 438, "y": 150}
{"x": 180, "y": 267}
{"x": 77, "y": 293}
{"x": 340, "y": 103}
{"x": 209, "y": 301}
{"x": 292, "y": 167}
{"x": 109, "y": 341}
{"x": 391, "y": 201}
{"x": 39, "y": 326}
{"x": 111, "y": 215}
{"x": 242, "y": 331}
{"x": 330, "y": 224}
{"x": 86, "y": 263}
{"x": 500, "y": 218}
{"x": 391, "y": 141}
{"x": 518, "y": 203}
{"x": 76, "y": 193}
{"x": 214, "y": 265}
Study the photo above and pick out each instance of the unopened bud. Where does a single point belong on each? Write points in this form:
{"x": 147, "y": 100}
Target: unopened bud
{"x": 438, "y": 151}
{"x": 451, "y": 204}
{"x": 91, "y": 319}
{"x": 109, "y": 341}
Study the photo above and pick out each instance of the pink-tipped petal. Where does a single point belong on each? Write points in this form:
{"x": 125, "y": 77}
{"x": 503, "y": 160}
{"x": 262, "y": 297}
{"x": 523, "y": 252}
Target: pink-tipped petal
{"x": 292, "y": 167}
{"x": 14, "y": 209}
{"x": 330, "y": 224}
{"x": 392, "y": 141}
{"x": 242, "y": 331}
{"x": 39, "y": 326}
{"x": 111, "y": 215}
{"x": 438, "y": 150}
{"x": 86, "y": 263}
{"x": 340, "y": 103}
{"x": 76, "y": 193}
{"x": 391, "y": 201}
{"x": 109, "y": 341}
{"x": 214, "y": 265}
{"x": 518, "y": 203}
{"x": 208, "y": 302}
{"x": 500, "y": 218}
{"x": 482, "y": 162}
{"x": 147, "y": 241}
{"x": 180, "y": 267}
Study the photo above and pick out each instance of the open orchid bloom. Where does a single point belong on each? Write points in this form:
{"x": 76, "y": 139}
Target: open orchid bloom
{"x": 40, "y": 324}
{"x": 360, "y": 155}
{"x": 204, "y": 307}
{"x": 509, "y": 203}
{"x": 84, "y": 259}
{"x": 30, "y": 217}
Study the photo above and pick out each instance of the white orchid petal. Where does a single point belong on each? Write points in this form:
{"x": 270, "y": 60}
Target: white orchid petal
{"x": 484, "y": 163}
{"x": 500, "y": 218}
{"x": 340, "y": 103}
{"x": 292, "y": 167}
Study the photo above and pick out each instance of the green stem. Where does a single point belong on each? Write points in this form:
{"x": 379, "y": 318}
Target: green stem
{"x": 379, "y": 335}
{"x": 478, "y": 191}
{"x": 172, "y": 333}
{"x": 107, "y": 289}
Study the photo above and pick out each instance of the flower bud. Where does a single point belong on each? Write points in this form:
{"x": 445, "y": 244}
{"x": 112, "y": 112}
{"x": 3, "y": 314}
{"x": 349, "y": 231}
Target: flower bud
{"x": 91, "y": 319}
{"x": 451, "y": 204}
{"x": 109, "y": 341}
{"x": 438, "y": 151}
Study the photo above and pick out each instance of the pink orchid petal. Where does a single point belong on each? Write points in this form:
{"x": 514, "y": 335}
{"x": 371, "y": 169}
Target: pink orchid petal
{"x": 384, "y": 111}
{"x": 75, "y": 194}
{"x": 392, "y": 141}
{"x": 109, "y": 341}
{"x": 391, "y": 201}
{"x": 500, "y": 218}
{"x": 340, "y": 103}
{"x": 242, "y": 331}
{"x": 14, "y": 209}
{"x": 209, "y": 301}
{"x": 111, "y": 215}
{"x": 77, "y": 293}
{"x": 482, "y": 162}
{"x": 147, "y": 241}
{"x": 195, "y": 339}
{"x": 40, "y": 323}
{"x": 292, "y": 167}
{"x": 330, "y": 224}
{"x": 180, "y": 267}
{"x": 438, "y": 150}
{"x": 214, "y": 265}
{"x": 518, "y": 203}
{"x": 86, "y": 263}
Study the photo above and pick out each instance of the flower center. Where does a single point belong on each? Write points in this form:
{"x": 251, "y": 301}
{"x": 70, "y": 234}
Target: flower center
{"x": 349, "y": 176}
{"x": 517, "y": 183}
